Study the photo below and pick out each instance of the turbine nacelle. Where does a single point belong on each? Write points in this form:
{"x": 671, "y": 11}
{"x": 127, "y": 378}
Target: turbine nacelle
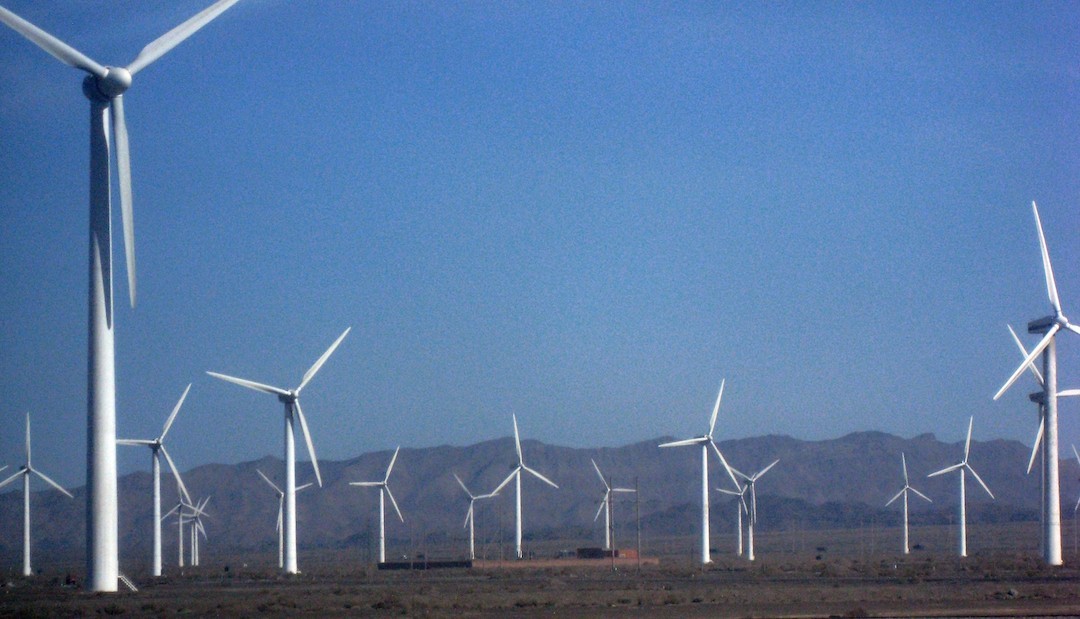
{"x": 1044, "y": 324}
{"x": 105, "y": 88}
{"x": 288, "y": 398}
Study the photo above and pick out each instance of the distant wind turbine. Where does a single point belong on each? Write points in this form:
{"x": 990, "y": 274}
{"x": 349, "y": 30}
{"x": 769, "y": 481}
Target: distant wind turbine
{"x": 157, "y": 446}
{"x": 384, "y": 491}
{"x": 751, "y": 480}
{"x": 605, "y": 504}
{"x": 1048, "y": 326}
{"x": 280, "y": 509}
{"x": 25, "y": 472}
{"x": 104, "y": 86}
{"x": 904, "y": 492}
{"x": 964, "y": 468}
{"x": 706, "y": 440}
{"x": 197, "y": 513}
{"x": 470, "y": 516}
{"x": 740, "y": 509}
{"x": 516, "y": 475}
{"x": 291, "y": 400}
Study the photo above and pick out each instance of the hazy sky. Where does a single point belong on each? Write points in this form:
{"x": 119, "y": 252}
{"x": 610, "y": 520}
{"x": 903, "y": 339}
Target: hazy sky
{"x": 585, "y": 213}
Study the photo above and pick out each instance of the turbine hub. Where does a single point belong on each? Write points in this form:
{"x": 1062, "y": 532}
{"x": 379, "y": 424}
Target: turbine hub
{"x": 115, "y": 83}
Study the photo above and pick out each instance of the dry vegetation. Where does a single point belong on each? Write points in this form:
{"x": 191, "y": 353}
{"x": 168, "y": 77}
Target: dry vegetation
{"x": 847, "y": 580}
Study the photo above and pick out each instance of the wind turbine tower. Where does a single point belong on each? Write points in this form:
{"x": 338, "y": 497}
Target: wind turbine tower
{"x": 25, "y": 472}
{"x": 1048, "y": 327}
{"x": 706, "y": 440}
{"x": 105, "y": 86}
{"x": 291, "y": 399}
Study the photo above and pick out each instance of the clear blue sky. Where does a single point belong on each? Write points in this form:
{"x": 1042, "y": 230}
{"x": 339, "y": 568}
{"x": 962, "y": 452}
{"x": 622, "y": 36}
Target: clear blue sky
{"x": 583, "y": 213}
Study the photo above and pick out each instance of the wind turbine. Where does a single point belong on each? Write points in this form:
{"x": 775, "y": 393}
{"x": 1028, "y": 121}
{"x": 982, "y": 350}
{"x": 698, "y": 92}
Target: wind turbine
{"x": 157, "y": 446}
{"x": 964, "y": 468}
{"x": 280, "y": 509}
{"x": 470, "y": 516}
{"x": 605, "y": 504}
{"x": 904, "y": 492}
{"x": 104, "y": 86}
{"x": 384, "y": 491}
{"x": 516, "y": 475}
{"x": 1048, "y": 326}
{"x": 24, "y": 472}
{"x": 705, "y": 441}
{"x": 750, "y": 481}
{"x": 197, "y": 512}
{"x": 291, "y": 400}
{"x": 181, "y": 504}
{"x": 740, "y": 509}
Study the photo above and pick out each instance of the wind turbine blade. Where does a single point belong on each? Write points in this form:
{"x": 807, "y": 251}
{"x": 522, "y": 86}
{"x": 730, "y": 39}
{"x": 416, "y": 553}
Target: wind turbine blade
{"x": 1048, "y": 270}
{"x": 716, "y": 409}
{"x": 979, "y": 479}
{"x": 307, "y": 485}
{"x": 920, "y": 494}
{"x": 1071, "y": 327}
{"x": 307, "y": 440}
{"x": 170, "y": 512}
{"x": 27, "y": 440}
{"x": 52, "y": 483}
{"x": 623, "y": 490}
{"x": 762, "y": 472}
{"x": 506, "y": 481}
{"x": 1035, "y": 352}
{"x": 689, "y": 441}
{"x": 1038, "y": 441}
{"x": 601, "y": 475}
{"x": 280, "y": 510}
{"x": 134, "y": 441}
{"x": 176, "y": 473}
{"x": 726, "y": 491}
{"x": 267, "y": 480}
{"x": 14, "y": 477}
{"x": 54, "y": 46}
{"x": 898, "y": 495}
{"x": 1067, "y": 393}
{"x": 1024, "y": 354}
{"x": 250, "y": 384}
{"x": 1076, "y": 454}
{"x": 517, "y": 440}
{"x": 541, "y": 477}
{"x": 462, "y": 484}
{"x": 318, "y": 364}
{"x": 730, "y": 471}
{"x": 366, "y": 484}
{"x": 967, "y": 443}
{"x": 172, "y": 416}
{"x": 123, "y": 175}
{"x": 174, "y": 37}
{"x": 948, "y": 469}
{"x": 468, "y": 515}
{"x": 599, "y": 509}
{"x": 393, "y": 502}
{"x": 393, "y": 459}
{"x": 903, "y": 462}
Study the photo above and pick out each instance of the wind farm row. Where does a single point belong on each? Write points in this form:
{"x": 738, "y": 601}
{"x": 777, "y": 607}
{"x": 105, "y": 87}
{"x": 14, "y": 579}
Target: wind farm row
{"x": 104, "y": 87}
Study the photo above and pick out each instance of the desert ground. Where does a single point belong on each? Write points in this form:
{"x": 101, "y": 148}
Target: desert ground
{"x": 796, "y": 574}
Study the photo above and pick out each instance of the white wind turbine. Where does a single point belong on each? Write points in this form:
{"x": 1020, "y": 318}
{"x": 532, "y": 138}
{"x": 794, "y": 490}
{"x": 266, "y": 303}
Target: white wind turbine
{"x": 1039, "y": 398}
{"x": 291, "y": 400}
{"x": 280, "y": 509}
{"x": 384, "y": 491}
{"x": 964, "y": 468}
{"x": 25, "y": 472}
{"x": 470, "y": 516}
{"x": 197, "y": 512}
{"x": 904, "y": 492}
{"x": 740, "y": 509}
{"x": 752, "y": 520}
{"x": 157, "y": 446}
{"x": 178, "y": 509}
{"x": 605, "y": 504}
{"x": 516, "y": 475}
{"x": 104, "y": 86}
{"x": 1049, "y": 327}
{"x": 705, "y": 441}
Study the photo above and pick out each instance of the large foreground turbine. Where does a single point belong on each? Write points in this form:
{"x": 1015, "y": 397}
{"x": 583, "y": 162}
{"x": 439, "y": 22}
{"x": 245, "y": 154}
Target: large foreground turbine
{"x": 291, "y": 400}
{"x": 705, "y": 441}
{"x": 104, "y": 86}
{"x": 25, "y": 472}
{"x": 964, "y": 469}
{"x": 516, "y": 475}
{"x": 1048, "y": 326}
{"x": 157, "y": 446}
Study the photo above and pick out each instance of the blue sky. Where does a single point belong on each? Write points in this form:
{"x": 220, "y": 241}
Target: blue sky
{"x": 583, "y": 213}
